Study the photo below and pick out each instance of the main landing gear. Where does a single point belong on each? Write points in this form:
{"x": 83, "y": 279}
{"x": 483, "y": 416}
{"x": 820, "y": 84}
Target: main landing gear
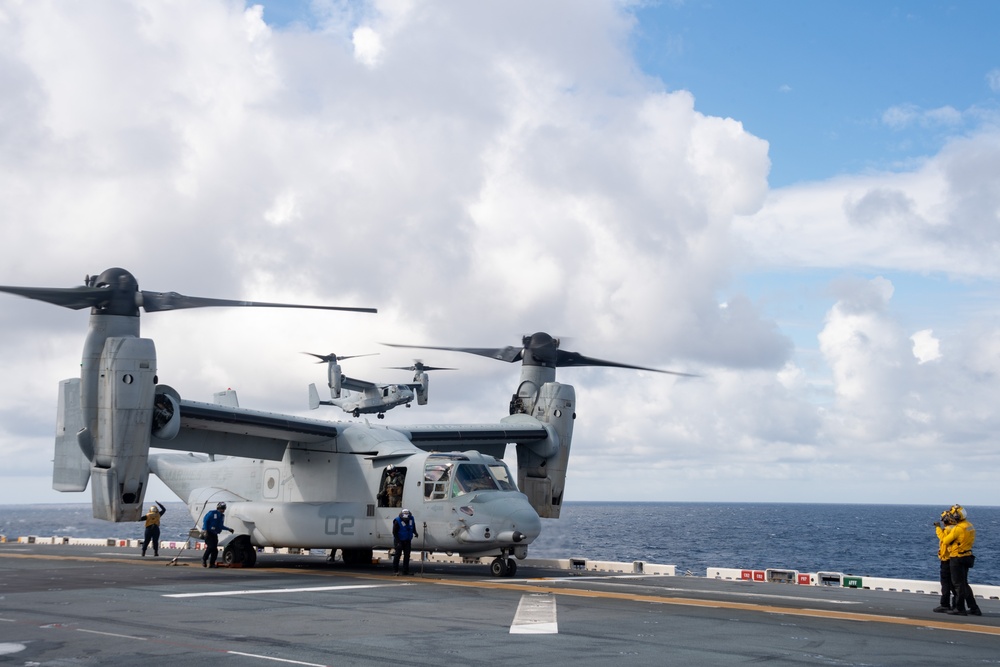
{"x": 240, "y": 552}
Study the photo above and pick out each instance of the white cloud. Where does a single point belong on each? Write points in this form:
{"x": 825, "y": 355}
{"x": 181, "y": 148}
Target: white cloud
{"x": 993, "y": 79}
{"x": 925, "y": 346}
{"x": 942, "y": 216}
{"x": 367, "y": 46}
{"x": 478, "y": 177}
{"x": 906, "y": 115}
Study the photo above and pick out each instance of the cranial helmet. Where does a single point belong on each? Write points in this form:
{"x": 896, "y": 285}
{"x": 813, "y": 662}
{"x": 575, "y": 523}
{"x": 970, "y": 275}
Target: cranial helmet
{"x": 390, "y": 468}
{"x": 405, "y": 513}
{"x": 154, "y": 508}
{"x": 221, "y": 507}
{"x": 959, "y": 512}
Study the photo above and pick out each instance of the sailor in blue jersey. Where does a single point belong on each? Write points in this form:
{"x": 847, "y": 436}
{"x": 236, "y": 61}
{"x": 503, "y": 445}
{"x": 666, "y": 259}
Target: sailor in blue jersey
{"x": 213, "y": 524}
{"x": 404, "y": 529}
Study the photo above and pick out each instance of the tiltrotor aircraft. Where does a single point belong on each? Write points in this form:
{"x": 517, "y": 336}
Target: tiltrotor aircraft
{"x": 296, "y": 482}
{"x": 370, "y": 397}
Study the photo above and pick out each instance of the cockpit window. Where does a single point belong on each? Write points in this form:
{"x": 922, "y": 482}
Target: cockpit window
{"x": 436, "y": 479}
{"x": 471, "y": 477}
{"x": 503, "y": 477}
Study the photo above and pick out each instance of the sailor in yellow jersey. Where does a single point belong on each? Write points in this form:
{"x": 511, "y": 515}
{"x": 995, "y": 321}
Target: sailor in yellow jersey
{"x": 947, "y": 591}
{"x": 958, "y": 545}
{"x": 152, "y": 533}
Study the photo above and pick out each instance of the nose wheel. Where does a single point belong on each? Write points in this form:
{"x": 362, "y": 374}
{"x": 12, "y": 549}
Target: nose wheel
{"x": 503, "y": 566}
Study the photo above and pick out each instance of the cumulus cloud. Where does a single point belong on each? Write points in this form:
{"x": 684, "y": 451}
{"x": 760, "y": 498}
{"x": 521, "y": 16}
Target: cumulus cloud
{"x": 925, "y": 346}
{"x": 477, "y": 178}
{"x": 941, "y": 216}
{"x": 993, "y": 79}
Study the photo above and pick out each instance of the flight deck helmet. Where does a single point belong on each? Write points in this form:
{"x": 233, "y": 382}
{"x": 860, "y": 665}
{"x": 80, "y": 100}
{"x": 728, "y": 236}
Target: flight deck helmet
{"x": 221, "y": 507}
{"x": 958, "y": 512}
{"x": 154, "y": 508}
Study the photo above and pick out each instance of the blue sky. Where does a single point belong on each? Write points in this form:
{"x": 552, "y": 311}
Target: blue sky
{"x": 816, "y": 78}
{"x": 796, "y": 201}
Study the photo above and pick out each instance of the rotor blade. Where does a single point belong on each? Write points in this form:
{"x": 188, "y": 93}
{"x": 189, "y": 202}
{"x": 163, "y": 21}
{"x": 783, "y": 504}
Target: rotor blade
{"x": 76, "y": 298}
{"x": 153, "y": 302}
{"x": 422, "y": 367}
{"x": 333, "y": 357}
{"x": 565, "y": 359}
{"x": 510, "y": 354}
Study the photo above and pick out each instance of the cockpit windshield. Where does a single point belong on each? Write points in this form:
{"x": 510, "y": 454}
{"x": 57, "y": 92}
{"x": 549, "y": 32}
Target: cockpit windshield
{"x": 471, "y": 477}
{"x": 502, "y": 474}
{"x": 445, "y": 479}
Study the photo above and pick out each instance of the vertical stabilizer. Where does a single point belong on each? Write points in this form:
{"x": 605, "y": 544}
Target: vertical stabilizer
{"x": 70, "y": 467}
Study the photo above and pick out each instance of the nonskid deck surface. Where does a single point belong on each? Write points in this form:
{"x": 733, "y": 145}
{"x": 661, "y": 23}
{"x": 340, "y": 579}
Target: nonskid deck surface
{"x": 81, "y": 605}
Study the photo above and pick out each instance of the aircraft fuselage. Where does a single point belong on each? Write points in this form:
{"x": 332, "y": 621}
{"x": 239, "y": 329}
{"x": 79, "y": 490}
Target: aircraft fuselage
{"x": 333, "y": 496}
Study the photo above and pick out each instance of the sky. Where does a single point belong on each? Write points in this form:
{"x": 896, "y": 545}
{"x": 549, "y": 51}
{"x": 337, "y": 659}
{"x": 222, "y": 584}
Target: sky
{"x": 795, "y": 201}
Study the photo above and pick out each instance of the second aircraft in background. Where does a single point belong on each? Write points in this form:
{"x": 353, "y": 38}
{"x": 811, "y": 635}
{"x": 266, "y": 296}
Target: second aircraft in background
{"x": 357, "y": 397}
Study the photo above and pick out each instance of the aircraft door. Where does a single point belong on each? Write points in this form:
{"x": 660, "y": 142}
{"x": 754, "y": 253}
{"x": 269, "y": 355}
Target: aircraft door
{"x": 390, "y": 491}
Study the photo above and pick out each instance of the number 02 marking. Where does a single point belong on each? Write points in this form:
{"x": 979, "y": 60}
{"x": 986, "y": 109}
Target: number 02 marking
{"x": 340, "y": 525}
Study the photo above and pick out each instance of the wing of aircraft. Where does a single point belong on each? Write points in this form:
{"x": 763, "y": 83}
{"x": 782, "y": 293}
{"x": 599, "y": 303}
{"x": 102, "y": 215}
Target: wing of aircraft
{"x": 232, "y": 431}
{"x": 357, "y": 385}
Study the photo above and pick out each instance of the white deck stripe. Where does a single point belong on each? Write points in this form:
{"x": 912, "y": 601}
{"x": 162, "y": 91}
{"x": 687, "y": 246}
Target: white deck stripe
{"x": 267, "y": 657}
{"x": 111, "y": 634}
{"x": 536, "y": 615}
{"x": 265, "y": 591}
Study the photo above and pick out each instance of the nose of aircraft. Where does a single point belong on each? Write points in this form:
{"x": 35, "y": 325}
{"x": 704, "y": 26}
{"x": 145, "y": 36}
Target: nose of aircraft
{"x": 527, "y": 522}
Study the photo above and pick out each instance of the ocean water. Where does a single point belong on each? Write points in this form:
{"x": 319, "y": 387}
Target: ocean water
{"x": 895, "y": 541}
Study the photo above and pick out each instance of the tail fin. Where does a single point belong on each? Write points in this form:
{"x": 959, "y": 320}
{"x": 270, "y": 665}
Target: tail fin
{"x": 71, "y": 466}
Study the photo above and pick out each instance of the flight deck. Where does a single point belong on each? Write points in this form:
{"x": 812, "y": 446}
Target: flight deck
{"x": 99, "y": 605}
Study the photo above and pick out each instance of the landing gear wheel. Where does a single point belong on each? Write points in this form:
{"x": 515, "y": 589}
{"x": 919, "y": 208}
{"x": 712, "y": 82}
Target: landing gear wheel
{"x": 240, "y": 553}
{"x": 356, "y": 413}
{"x": 381, "y": 415}
{"x": 357, "y": 557}
{"x": 498, "y": 568}
{"x": 511, "y": 567}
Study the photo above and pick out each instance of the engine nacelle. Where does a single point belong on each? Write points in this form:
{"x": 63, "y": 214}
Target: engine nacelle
{"x": 541, "y": 466}
{"x": 334, "y": 378}
{"x": 422, "y": 389}
{"x": 125, "y": 396}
